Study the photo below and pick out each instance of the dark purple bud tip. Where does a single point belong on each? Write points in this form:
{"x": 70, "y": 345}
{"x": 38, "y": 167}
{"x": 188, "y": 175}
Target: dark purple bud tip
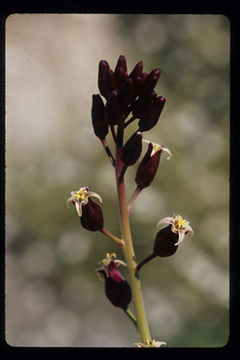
{"x": 103, "y": 68}
{"x": 132, "y": 149}
{"x": 121, "y": 63}
{"x": 151, "y": 80}
{"x": 100, "y": 126}
{"x": 165, "y": 241}
{"x": 92, "y": 217}
{"x": 137, "y": 71}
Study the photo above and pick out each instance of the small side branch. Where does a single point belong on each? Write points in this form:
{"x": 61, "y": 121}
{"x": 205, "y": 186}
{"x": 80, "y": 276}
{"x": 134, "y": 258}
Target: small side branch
{"x": 131, "y": 317}
{"x": 129, "y": 121}
{"x": 145, "y": 261}
{"x": 131, "y": 201}
{"x": 108, "y": 152}
{"x": 113, "y": 237}
{"x": 121, "y": 176}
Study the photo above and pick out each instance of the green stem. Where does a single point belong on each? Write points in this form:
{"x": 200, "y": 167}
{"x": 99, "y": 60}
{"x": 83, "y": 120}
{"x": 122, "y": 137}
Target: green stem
{"x": 113, "y": 237}
{"x": 129, "y": 253}
{"x": 132, "y": 317}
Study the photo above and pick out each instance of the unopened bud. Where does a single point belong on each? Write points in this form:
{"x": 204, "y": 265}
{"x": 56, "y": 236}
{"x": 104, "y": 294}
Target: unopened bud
{"x": 147, "y": 168}
{"x": 120, "y": 71}
{"x": 106, "y": 79}
{"x": 100, "y": 126}
{"x": 150, "y": 119}
{"x": 151, "y": 81}
{"x": 125, "y": 93}
{"x": 113, "y": 114}
{"x": 132, "y": 149}
{"x": 137, "y": 71}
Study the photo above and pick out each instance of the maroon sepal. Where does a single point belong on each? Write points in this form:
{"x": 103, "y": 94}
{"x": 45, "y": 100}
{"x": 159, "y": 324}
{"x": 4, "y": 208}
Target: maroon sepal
{"x": 147, "y": 168}
{"x": 92, "y": 217}
{"x": 165, "y": 241}
{"x": 118, "y": 293}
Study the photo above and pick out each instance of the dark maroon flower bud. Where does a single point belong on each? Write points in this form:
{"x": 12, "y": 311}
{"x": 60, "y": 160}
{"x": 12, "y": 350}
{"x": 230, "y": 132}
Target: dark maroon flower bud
{"x": 117, "y": 289}
{"x": 137, "y": 87}
{"x": 92, "y": 217}
{"x": 141, "y": 106}
{"x": 120, "y": 71}
{"x": 121, "y": 63}
{"x": 125, "y": 93}
{"x": 132, "y": 149}
{"x": 106, "y": 79}
{"x": 150, "y": 119}
{"x": 103, "y": 68}
{"x": 113, "y": 113}
{"x": 111, "y": 81}
{"x": 100, "y": 126}
{"x": 151, "y": 81}
{"x": 119, "y": 293}
{"x": 147, "y": 168}
{"x": 137, "y": 71}
{"x": 165, "y": 241}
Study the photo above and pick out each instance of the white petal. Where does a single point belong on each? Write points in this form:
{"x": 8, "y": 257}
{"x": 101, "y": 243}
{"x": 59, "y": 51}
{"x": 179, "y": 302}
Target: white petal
{"x": 189, "y": 230}
{"x": 166, "y": 150}
{"x": 181, "y": 234}
{"x": 146, "y": 142}
{"x": 166, "y": 220}
{"x": 92, "y": 193}
{"x": 79, "y": 208}
{"x": 159, "y": 343}
{"x": 69, "y": 200}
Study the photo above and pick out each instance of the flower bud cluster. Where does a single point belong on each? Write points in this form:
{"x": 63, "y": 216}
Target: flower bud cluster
{"x": 124, "y": 94}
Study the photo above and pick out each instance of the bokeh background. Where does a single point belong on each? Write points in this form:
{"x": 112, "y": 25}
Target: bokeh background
{"x": 53, "y": 296}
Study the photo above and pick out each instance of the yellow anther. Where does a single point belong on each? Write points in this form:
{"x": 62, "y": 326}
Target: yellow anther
{"x": 179, "y": 222}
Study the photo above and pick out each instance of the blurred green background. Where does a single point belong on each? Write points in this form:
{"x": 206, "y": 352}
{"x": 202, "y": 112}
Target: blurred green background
{"x": 53, "y": 296}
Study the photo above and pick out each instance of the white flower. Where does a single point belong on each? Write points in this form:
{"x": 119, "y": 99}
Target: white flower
{"x": 178, "y": 226}
{"x": 150, "y": 343}
{"x": 80, "y": 198}
{"x": 157, "y": 147}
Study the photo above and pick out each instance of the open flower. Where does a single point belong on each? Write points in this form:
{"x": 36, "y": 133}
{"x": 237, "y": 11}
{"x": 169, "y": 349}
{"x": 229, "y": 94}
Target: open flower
{"x": 117, "y": 288}
{"x": 148, "y": 167}
{"x": 90, "y": 213}
{"x": 80, "y": 198}
{"x": 178, "y": 226}
{"x": 150, "y": 343}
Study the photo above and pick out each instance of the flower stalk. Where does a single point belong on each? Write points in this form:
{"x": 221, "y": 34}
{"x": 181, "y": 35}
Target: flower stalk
{"x": 130, "y": 254}
{"x": 125, "y": 94}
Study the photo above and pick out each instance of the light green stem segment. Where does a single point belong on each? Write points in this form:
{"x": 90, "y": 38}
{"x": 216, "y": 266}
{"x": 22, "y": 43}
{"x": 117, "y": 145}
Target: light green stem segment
{"x": 131, "y": 317}
{"x": 130, "y": 255}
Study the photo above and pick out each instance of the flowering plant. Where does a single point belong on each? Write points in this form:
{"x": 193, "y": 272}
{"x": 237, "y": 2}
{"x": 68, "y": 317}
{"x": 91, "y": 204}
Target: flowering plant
{"x": 128, "y": 97}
